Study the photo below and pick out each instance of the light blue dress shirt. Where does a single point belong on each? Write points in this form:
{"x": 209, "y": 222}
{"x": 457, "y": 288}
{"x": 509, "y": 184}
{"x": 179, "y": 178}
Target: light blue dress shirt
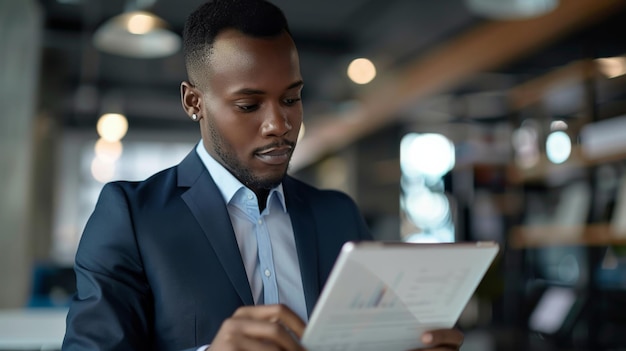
{"x": 266, "y": 240}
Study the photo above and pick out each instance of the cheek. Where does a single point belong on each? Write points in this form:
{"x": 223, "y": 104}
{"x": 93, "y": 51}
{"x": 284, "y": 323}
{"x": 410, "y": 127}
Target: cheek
{"x": 295, "y": 118}
{"x": 241, "y": 135}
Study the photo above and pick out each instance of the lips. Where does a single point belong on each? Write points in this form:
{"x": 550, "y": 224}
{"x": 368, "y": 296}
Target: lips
{"x": 275, "y": 155}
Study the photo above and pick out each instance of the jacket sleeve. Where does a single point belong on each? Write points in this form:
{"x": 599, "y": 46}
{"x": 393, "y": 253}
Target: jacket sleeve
{"x": 112, "y": 307}
{"x": 364, "y": 232}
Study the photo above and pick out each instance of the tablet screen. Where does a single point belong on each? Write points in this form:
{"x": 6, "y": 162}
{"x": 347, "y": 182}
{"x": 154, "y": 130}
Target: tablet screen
{"x": 382, "y": 296}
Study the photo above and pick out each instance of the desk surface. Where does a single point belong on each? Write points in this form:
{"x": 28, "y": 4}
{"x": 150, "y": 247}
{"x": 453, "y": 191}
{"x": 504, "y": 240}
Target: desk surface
{"x": 32, "y": 329}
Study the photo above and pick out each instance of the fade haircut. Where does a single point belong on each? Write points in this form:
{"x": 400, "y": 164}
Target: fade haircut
{"x": 256, "y": 18}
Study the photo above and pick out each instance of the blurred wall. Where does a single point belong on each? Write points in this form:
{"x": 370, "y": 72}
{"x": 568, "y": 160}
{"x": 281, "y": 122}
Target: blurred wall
{"x": 20, "y": 42}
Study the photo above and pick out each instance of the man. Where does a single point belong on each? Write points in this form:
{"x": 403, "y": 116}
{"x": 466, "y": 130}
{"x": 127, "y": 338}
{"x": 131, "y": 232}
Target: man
{"x": 223, "y": 250}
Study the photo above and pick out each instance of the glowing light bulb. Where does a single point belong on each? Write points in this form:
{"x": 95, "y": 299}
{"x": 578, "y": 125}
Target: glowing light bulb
{"x": 140, "y": 23}
{"x": 361, "y": 71}
{"x": 108, "y": 150}
{"x": 427, "y": 154}
{"x": 102, "y": 170}
{"x": 112, "y": 126}
{"x": 558, "y": 147}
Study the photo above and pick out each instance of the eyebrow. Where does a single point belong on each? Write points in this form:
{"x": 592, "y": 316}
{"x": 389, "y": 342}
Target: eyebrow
{"x": 248, "y": 91}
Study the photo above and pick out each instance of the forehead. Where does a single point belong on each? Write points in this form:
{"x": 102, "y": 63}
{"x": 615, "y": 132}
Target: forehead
{"x": 241, "y": 61}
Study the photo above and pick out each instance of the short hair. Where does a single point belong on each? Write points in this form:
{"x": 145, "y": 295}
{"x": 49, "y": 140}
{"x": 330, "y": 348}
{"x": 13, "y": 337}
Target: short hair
{"x": 257, "y": 18}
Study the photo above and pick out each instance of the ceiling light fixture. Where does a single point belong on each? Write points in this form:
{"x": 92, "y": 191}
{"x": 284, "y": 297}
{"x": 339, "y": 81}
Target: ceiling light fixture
{"x": 511, "y": 9}
{"x": 137, "y": 34}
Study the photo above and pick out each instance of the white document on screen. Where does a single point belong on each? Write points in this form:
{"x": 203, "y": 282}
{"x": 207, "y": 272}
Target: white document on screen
{"x": 382, "y": 296}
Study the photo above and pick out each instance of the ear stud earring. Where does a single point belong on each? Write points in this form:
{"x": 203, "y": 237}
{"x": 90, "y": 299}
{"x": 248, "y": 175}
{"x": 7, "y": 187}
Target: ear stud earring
{"x": 194, "y": 117}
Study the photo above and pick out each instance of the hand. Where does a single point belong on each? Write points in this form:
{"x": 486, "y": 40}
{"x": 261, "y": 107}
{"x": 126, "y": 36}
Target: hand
{"x": 269, "y": 327}
{"x": 442, "y": 340}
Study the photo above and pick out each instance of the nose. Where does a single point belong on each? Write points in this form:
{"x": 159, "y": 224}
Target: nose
{"x": 276, "y": 121}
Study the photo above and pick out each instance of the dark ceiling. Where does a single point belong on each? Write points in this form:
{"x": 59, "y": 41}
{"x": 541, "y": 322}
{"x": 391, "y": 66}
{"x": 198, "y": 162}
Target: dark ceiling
{"x": 79, "y": 81}
{"x": 328, "y": 34}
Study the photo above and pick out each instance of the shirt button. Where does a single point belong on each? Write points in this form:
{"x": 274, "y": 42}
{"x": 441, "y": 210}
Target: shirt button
{"x": 268, "y": 273}
{"x": 250, "y": 196}
{"x": 260, "y": 221}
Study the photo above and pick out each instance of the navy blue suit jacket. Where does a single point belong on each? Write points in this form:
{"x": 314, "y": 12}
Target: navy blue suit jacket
{"x": 158, "y": 266}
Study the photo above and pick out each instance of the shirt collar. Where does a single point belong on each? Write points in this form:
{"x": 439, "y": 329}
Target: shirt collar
{"x": 228, "y": 184}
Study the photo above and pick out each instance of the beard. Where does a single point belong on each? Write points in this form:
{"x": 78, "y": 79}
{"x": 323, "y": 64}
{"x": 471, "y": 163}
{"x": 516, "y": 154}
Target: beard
{"x": 237, "y": 168}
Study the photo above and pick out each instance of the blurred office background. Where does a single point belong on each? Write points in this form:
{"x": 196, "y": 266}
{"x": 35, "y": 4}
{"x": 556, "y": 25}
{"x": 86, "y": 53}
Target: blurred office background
{"x": 499, "y": 120}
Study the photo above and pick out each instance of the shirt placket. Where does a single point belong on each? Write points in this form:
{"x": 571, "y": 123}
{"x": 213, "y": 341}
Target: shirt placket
{"x": 264, "y": 247}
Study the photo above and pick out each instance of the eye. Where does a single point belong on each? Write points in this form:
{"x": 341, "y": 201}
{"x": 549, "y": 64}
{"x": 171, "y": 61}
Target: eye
{"x": 248, "y": 107}
{"x": 291, "y": 101}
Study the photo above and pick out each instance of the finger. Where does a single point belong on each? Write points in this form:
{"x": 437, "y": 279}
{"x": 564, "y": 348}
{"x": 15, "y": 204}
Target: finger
{"x": 265, "y": 331}
{"x": 450, "y": 338}
{"x": 274, "y": 313}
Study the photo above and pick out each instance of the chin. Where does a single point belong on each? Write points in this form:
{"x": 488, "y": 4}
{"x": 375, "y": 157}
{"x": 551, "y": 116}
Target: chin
{"x": 270, "y": 181}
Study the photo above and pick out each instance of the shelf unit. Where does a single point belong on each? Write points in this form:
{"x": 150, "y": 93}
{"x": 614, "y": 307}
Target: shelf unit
{"x": 599, "y": 234}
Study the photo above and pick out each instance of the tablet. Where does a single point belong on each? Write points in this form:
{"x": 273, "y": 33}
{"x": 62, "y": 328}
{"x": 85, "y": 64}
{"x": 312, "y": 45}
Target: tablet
{"x": 383, "y": 296}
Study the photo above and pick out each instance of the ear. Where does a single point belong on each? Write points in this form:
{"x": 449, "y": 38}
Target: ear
{"x": 191, "y": 98}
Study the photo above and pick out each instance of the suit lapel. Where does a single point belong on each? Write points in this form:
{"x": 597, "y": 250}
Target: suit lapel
{"x": 205, "y": 202}
{"x": 303, "y": 224}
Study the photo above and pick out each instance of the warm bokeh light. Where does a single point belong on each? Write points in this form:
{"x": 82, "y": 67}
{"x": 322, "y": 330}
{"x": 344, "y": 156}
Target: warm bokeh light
{"x": 102, "y": 170}
{"x": 108, "y": 150}
{"x": 612, "y": 67}
{"x": 361, "y": 71}
{"x": 112, "y": 126}
{"x": 140, "y": 23}
{"x": 558, "y": 147}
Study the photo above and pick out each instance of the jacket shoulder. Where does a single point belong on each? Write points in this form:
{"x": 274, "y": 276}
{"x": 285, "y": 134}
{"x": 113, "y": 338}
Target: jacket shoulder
{"x": 157, "y": 185}
{"x": 314, "y": 195}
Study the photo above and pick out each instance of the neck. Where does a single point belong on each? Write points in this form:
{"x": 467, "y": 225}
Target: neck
{"x": 261, "y": 195}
